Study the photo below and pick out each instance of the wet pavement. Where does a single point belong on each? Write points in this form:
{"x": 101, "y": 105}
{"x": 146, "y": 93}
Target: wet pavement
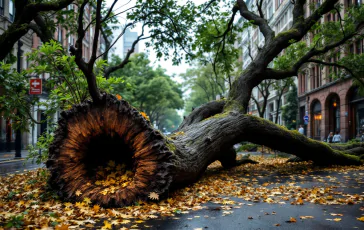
{"x": 265, "y": 216}
{"x": 247, "y": 214}
{"x": 261, "y": 215}
{"x": 16, "y": 166}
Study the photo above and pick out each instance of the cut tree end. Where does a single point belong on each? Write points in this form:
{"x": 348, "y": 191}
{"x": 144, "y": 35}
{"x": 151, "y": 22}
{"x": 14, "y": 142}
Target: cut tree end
{"x": 108, "y": 152}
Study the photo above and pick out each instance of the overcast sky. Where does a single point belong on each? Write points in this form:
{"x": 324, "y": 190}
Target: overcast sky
{"x": 120, "y": 6}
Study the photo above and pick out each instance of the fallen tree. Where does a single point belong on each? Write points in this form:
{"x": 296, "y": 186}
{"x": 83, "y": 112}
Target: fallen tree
{"x": 105, "y": 128}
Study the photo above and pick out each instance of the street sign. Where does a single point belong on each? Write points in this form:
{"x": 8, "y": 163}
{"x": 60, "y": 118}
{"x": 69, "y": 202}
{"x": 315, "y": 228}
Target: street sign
{"x": 305, "y": 118}
{"x": 35, "y": 86}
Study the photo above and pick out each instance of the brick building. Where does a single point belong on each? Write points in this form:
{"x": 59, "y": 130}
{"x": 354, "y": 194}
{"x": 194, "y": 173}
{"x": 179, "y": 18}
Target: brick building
{"x": 32, "y": 41}
{"x": 332, "y": 105}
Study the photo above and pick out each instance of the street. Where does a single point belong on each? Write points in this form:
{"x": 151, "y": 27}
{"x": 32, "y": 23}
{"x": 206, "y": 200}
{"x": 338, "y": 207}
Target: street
{"x": 16, "y": 166}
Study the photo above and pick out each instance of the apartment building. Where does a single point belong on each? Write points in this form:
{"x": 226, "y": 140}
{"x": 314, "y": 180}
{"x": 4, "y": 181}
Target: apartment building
{"x": 278, "y": 13}
{"x": 7, "y": 14}
{"x": 32, "y": 41}
{"x": 332, "y": 105}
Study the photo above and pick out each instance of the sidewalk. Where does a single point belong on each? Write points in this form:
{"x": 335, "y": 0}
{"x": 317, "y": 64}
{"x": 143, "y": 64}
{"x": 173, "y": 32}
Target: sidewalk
{"x": 10, "y": 156}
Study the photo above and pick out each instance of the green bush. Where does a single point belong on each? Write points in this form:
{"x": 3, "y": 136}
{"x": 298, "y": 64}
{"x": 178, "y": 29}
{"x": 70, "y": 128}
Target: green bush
{"x": 247, "y": 147}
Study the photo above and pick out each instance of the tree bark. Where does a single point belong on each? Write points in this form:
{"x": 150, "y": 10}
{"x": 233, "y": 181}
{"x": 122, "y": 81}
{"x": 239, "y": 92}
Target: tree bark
{"x": 92, "y": 134}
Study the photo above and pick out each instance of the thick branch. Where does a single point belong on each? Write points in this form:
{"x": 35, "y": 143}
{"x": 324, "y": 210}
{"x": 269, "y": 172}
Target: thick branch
{"x": 256, "y": 20}
{"x": 205, "y": 111}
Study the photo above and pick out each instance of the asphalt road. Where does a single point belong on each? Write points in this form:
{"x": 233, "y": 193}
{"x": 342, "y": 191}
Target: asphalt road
{"x": 265, "y": 216}
{"x": 261, "y": 215}
{"x": 16, "y": 166}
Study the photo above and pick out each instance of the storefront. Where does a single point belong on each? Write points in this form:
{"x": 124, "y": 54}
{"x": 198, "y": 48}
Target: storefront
{"x": 333, "y": 106}
{"x": 7, "y": 135}
{"x": 356, "y": 103}
{"x": 317, "y": 117}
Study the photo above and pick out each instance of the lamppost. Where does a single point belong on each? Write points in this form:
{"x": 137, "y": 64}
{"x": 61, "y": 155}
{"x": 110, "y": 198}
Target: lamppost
{"x": 18, "y": 131}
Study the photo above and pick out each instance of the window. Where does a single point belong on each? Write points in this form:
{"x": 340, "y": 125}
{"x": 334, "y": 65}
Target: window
{"x": 358, "y": 2}
{"x": 11, "y": 10}
{"x": 2, "y": 4}
{"x": 70, "y": 40}
{"x": 278, "y": 3}
{"x": 358, "y": 47}
{"x": 328, "y": 17}
{"x": 70, "y": 7}
{"x": 60, "y": 35}
{"x": 351, "y": 49}
{"x": 269, "y": 11}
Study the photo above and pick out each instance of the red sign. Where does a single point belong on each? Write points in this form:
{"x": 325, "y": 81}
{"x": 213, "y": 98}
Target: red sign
{"x": 35, "y": 86}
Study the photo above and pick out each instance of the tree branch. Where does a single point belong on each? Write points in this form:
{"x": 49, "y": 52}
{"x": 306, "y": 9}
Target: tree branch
{"x": 126, "y": 60}
{"x": 259, "y": 6}
{"x": 96, "y": 35}
{"x": 119, "y": 36}
{"x": 256, "y": 20}
{"x": 109, "y": 11}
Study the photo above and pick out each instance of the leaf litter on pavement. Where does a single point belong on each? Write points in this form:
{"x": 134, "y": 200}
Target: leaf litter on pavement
{"x": 26, "y": 202}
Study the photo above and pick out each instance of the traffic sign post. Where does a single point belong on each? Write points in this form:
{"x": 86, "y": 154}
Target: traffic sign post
{"x": 35, "y": 86}
{"x": 306, "y": 119}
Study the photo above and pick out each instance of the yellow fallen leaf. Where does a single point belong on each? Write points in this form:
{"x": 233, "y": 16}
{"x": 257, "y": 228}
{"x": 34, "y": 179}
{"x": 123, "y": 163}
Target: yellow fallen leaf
{"x": 78, "y": 193}
{"x": 62, "y": 227}
{"x": 87, "y": 200}
{"x": 336, "y": 214}
{"x": 306, "y": 217}
{"x": 153, "y": 196}
{"x": 361, "y": 218}
{"x": 125, "y": 222}
{"x": 145, "y": 116}
{"x": 96, "y": 208}
{"x": 68, "y": 204}
{"x": 337, "y": 219}
{"x": 292, "y": 220}
{"x": 139, "y": 221}
{"x": 107, "y": 225}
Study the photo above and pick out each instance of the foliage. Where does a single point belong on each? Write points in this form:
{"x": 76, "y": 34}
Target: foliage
{"x": 66, "y": 83}
{"x": 247, "y": 147}
{"x": 204, "y": 85}
{"x": 66, "y": 86}
{"x": 15, "y": 222}
{"x": 39, "y": 153}
{"x": 289, "y": 112}
{"x": 151, "y": 91}
{"x": 15, "y": 102}
{"x": 291, "y": 55}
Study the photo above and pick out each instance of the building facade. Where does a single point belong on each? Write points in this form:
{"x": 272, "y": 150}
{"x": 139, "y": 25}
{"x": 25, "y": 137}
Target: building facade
{"x": 279, "y": 16}
{"x": 32, "y": 41}
{"x": 331, "y": 105}
{"x": 7, "y": 14}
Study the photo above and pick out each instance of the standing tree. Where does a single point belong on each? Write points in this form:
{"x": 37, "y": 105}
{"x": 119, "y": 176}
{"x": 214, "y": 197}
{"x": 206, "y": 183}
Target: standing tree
{"x": 282, "y": 86}
{"x": 289, "y": 113}
{"x": 264, "y": 89}
{"x": 112, "y": 127}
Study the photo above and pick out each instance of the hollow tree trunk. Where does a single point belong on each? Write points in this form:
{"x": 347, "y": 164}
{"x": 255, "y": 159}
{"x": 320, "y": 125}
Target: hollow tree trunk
{"x": 90, "y": 135}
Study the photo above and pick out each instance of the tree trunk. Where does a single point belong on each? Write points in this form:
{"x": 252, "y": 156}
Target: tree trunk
{"x": 90, "y": 135}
